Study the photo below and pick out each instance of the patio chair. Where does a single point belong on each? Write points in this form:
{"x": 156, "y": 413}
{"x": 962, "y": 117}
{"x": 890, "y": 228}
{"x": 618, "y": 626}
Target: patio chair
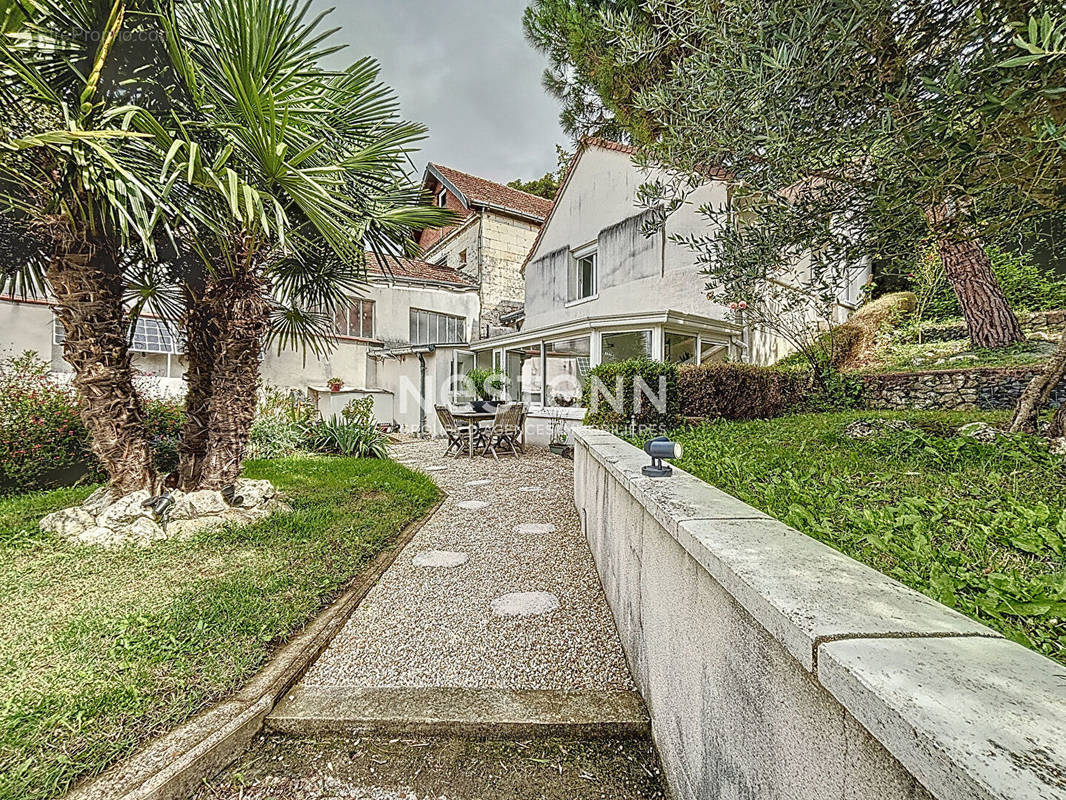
{"x": 506, "y": 430}
{"x": 458, "y": 435}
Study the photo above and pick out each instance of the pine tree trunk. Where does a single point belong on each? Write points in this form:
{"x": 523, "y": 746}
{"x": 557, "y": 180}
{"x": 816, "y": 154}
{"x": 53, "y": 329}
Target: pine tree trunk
{"x": 200, "y": 342}
{"x": 988, "y": 315}
{"x": 87, "y": 288}
{"x": 240, "y": 307}
{"x": 1038, "y": 392}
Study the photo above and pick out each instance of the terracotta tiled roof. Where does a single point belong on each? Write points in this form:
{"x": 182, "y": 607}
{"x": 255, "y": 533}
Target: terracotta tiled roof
{"x": 607, "y": 144}
{"x": 479, "y": 191}
{"x": 411, "y": 269}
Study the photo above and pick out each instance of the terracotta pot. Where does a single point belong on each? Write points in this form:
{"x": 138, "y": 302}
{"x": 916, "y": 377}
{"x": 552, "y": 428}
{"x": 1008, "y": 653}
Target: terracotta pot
{"x": 334, "y": 388}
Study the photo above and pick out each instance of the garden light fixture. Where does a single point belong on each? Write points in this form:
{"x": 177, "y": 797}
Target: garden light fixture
{"x": 159, "y": 506}
{"x": 659, "y": 449}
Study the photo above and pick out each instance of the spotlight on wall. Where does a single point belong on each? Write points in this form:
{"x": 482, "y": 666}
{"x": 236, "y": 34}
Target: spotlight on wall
{"x": 659, "y": 449}
{"x": 159, "y": 506}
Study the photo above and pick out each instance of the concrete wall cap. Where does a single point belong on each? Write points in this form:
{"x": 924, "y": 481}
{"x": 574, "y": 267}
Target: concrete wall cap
{"x": 972, "y": 719}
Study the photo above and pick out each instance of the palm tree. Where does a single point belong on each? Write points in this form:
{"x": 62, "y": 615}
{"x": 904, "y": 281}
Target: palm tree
{"x": 297, "y": 171}
{"x": 76, "y": 204}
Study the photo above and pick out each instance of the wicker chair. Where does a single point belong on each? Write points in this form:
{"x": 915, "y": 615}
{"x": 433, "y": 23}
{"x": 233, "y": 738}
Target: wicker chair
{"x": 506, "y": 430}
{"x": 458, "y": 435}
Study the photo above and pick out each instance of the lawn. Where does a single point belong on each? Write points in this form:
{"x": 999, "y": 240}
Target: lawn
{"x": 979, "y": 527}
{"x": 99, "y": 651}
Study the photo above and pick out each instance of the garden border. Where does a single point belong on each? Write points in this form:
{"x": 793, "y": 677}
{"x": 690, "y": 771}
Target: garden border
{"x": 172, "y": 766}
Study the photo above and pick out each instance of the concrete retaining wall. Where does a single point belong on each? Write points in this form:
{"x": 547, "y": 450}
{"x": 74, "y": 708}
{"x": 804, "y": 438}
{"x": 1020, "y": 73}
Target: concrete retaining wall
{"x": 776, "y": 667}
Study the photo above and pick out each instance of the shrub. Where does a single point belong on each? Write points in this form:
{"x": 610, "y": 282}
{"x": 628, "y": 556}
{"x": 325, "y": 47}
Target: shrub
{"x": 282, "y": 425}
{"x": 620, "y": 381}
{"x": 739, "y": 391}
{"x": 1026, "y": 285}
{"x": 164, "y": 419}
{"x": 42, "y": 441}
{"x": 486, "y": 384}
{"x": 349, "y": 438}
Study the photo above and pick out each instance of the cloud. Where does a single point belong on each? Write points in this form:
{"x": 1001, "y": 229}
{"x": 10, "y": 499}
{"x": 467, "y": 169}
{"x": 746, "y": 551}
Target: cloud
{"x": 464, "y": 68}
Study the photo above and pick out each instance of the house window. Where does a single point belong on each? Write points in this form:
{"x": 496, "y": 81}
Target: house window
{"x": 625, "y": 346}
{"x": 442, "y": 198}
{"x": 431, "y": 327}
{"x": 355, "y": 320}
{"x": 150, "y": 336}
{"x": 679, "y": 348}
{"x": 566, "y": 369}
{"x": 462, "y": 258}
{"x": 523, "y": 368}
{"x": 581, "y": 282}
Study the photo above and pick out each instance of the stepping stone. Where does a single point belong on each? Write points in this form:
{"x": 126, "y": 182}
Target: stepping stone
{"x": 524, "y": 604}
{"x": 440, "y": 468}
{"x": 535, "y": 527}
{"x": 530, "y": 489}
{"x": 478, "y": 483}
{"x": 473, "y": 505}
{"x": 440, "y": 558}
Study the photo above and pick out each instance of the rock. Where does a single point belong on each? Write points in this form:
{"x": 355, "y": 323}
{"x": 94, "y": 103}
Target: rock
{"x": 255, "y": 492}
{"x": 186, "y": 528}
{"x": 100, "y": 499}
{"x": 981, "y": 431}
{"x": 869, "y": 428}
{"x": 143, "y": 531}
{"x": 69, "y": 523}
{"x": 202, "y": 503}
{"x": 100, "y": 537}
{"x": 125, "y": 510}
{"x": 1058, "y": 446}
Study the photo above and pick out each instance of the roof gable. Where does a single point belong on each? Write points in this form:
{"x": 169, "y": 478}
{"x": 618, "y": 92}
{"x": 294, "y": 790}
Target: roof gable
{"x": 473, "y": 191}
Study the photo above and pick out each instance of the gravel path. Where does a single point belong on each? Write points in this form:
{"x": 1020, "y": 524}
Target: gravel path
{"x": 524, "y": 611}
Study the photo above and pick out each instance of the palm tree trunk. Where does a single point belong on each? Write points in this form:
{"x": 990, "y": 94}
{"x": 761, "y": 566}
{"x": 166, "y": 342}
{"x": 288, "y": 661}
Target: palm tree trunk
{"x": 201, "y": 336}
{"x": 988, "y": 315}
{"x": 87, "y": 287}
{"x": 241, "y": 309}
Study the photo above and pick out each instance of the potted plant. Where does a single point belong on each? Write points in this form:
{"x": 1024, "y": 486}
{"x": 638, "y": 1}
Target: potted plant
{"x": 559, "y": 443}
{"x": 487, "y": 385}
{"x": 335, "y": 384}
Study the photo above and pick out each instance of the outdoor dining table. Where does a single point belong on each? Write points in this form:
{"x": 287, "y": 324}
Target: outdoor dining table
{"x": 473, "y": 420}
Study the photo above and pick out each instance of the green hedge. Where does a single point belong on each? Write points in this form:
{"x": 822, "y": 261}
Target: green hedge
{"x": 606, "y": 381}
{"x": 739, "y": 391}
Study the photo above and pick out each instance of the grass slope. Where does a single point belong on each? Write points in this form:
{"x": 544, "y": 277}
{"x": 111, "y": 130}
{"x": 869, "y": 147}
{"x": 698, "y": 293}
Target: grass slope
{"x": 99, "y": 651}
{"x": 979, "y": 527}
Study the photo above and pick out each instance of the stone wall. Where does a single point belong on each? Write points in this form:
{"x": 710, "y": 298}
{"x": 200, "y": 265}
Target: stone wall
{"x": 1035, "y": 324}
{"x": 505, "y": 243}
{"x": 982, "y": 388}
{"x": 776, "y": 668}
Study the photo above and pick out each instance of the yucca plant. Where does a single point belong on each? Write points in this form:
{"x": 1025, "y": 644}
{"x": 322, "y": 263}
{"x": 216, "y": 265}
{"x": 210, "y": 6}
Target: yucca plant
{"x": 349, "y": 438}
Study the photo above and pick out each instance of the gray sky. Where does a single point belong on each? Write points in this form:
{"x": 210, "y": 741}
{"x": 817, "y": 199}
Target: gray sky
{"x": 463, "y": 68}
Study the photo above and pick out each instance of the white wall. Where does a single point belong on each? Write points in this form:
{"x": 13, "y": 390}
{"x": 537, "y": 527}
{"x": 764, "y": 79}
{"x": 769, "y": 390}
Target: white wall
{"x": 635, "y": 273}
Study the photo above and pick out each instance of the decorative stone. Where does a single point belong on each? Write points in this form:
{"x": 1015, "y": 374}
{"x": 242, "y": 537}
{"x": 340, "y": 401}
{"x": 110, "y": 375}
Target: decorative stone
{"x": 868, "y": 428}
{"x": 203, "y": 503}
{"x": 69, "y": 523}
{"x": 981, "y": 431}
{"x": 255, "y": 492}
{"x": 143, "y": 531}
{"x": 440, "y": 558}
{"x": 535, "y": 528}
{"x": 100, "y": 499}
{"x": 438, "y": 468}
{"x": 529, "y": 489}
{"x": 524, "y": 604}
{"x": 125, "y": 510}
{"x": 100, "y": 537}
{"x": 478, "y": 483}
{"x": 1058, "y": 446}
{"x": 186, "y": 528}
{"x": 473, "y": 505}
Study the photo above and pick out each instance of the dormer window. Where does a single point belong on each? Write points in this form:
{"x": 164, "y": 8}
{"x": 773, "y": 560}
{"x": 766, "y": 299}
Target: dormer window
{"x": 581, "y": 282}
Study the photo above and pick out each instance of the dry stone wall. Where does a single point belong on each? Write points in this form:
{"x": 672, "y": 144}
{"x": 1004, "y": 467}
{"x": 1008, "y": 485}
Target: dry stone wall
{"x": 963, "y": 389}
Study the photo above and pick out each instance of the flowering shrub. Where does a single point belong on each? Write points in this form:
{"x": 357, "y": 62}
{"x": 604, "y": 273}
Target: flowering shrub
{"x": 42, "y": 440}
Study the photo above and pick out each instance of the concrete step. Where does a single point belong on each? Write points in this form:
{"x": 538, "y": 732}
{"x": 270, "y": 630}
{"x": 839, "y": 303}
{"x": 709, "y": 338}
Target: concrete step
{"x": 476, "y": 713}
{"x": 441, "y": 768}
